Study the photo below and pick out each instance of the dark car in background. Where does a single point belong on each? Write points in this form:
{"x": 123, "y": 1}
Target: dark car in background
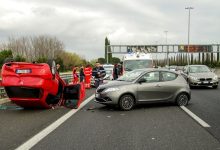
{"x": 200, "y": 75}
{"x": 143, "y": 86}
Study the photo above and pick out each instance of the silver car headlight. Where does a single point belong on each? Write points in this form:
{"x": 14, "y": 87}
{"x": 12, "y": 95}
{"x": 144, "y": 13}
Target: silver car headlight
{"x": 111, "y": 89}
{"x": 193, "y": 78}
{"x": 215, "y": 77}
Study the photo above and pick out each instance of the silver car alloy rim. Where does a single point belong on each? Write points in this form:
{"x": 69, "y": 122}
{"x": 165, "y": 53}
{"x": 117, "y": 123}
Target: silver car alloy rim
{"x": 127, "y": 102}
{"x": 183, "y": 99}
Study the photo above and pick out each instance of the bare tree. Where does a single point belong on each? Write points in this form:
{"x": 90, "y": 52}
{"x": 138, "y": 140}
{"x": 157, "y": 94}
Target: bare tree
{"x": 35, "y": 47}
{"x": 41, "y": 47}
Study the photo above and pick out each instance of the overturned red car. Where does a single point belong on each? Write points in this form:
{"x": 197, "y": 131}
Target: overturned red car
{"x": 39, "y": 85}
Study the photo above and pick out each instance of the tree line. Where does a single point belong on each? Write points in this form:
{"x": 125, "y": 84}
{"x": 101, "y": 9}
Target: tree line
{"x": 181, "y": 59}
{"x": 40, "y": 49}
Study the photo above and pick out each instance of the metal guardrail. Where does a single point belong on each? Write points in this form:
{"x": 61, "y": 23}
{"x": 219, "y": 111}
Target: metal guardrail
{"x": 2, "y": 93}
{"x": 67, "y": 77}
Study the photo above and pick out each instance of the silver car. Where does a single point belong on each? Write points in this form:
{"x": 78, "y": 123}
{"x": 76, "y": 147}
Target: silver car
{"x": 200, "y": 75}
{"x": 144, "y": 85}
{"x": 109, "y": 74}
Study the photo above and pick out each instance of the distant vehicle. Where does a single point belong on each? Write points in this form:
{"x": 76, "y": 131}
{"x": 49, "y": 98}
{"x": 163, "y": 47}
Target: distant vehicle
{"x": 136, "y": 60}
{"x": 108, "y": 66}
{"x": 200, "y": 75}
{"x": 39, "y": 85}
{"x": 173, "y": 68}
{"x": 109, "y": 71}
{"x": 180, "y": 68}
{"x": 109, "y": 74}
{"x": 143, "y": 86}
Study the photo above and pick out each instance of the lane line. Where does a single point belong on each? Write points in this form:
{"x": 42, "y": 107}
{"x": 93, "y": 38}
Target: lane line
{"x": 196, "y": 118}
{"x": 42, "y": 134}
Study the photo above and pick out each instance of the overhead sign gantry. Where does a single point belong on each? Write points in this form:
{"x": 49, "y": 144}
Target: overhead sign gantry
{"x": 166, "y": 49}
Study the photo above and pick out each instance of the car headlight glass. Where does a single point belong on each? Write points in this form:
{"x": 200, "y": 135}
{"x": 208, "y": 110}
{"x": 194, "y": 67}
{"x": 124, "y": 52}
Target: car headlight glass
{"x": 193, "y": 78}
{"x": 215, "y": 77}
{"x": 111, "y": 89}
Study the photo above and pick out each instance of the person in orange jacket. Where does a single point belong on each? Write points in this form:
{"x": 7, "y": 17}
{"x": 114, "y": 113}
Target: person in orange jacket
{"x": 88, "y": 76}
{"x": 75, "y": 76}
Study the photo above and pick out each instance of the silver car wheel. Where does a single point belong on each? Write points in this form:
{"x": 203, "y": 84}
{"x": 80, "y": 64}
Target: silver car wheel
{"x": 126, "y": 102}
{"x": 182, "y": 100}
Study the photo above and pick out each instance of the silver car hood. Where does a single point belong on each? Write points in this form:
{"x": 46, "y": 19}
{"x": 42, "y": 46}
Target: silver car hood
{"x": 115, "y": 84}
{"x": 203, "y": 75}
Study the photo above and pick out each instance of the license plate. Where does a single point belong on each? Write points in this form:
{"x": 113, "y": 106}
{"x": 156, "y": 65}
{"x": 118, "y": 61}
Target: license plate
{"x": 205, "y": 82}
{"x": 23, "y": 71}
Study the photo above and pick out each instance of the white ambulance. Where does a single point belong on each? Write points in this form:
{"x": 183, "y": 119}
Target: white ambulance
{"x": 137, "y": 60}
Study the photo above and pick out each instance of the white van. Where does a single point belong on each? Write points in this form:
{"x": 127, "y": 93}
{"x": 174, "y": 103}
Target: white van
{"x": 137, "y": 60}
{"x": 109, "y": 71}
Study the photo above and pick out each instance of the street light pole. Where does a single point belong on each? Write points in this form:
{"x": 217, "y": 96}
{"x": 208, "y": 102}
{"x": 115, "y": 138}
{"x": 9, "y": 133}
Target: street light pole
{"x": 107, "y": 54}
{"x": 156, "y": 64}
{"x": 167, "y": 49}
{"x": 188, "y": 8}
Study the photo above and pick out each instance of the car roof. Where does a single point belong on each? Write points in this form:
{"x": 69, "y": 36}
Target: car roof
{"x": 107, "y": 65}
{"x": 157, "y": 69}
{"x": 197, "y": 65}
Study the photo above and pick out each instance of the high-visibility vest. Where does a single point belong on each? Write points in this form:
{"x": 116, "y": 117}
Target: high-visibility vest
{"x": 88, "y": 71}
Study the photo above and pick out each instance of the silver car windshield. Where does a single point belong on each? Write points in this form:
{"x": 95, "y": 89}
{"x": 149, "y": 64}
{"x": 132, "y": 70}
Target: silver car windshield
{"x": 198, "y": 69}
{"x": 130, "y": 76}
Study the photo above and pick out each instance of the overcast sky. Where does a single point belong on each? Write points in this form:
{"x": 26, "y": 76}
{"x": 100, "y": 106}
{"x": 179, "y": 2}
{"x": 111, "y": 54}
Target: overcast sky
{"x": 82, "y": 25}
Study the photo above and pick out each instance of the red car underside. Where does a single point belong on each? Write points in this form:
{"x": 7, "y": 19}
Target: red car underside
{"x": 33, "y": 85}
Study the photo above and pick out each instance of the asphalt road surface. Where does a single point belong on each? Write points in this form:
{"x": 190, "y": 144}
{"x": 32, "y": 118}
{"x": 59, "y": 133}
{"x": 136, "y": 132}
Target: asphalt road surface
{"x": 94, "y": 127}
{"x": 206, "y": 104}
{"x": 18, "y": 125}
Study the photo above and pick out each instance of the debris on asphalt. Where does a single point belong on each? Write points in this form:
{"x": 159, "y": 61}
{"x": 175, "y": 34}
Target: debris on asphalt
{"x": 122, "y": 114}
{"x": 91, "y": 108}
{"x": 108, "y": 116}
{"x": 153, "y": 138}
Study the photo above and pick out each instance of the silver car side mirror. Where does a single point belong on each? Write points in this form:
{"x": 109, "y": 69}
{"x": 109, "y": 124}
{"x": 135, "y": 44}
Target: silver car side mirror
{"x": 142, "y": 80}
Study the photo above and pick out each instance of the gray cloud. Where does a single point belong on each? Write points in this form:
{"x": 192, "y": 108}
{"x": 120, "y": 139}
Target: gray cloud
{"x": 83, "y": 24}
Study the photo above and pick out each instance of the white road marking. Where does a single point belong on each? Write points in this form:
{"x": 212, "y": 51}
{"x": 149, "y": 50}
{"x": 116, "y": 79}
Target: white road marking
{"x": 200, "y": 121}
{"x": 38, "y": 137}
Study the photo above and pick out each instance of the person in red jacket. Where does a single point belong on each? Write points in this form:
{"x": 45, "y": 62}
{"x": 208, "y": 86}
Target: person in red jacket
{"x": 88, "y": 76}
{"x": 75, "y": 76}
